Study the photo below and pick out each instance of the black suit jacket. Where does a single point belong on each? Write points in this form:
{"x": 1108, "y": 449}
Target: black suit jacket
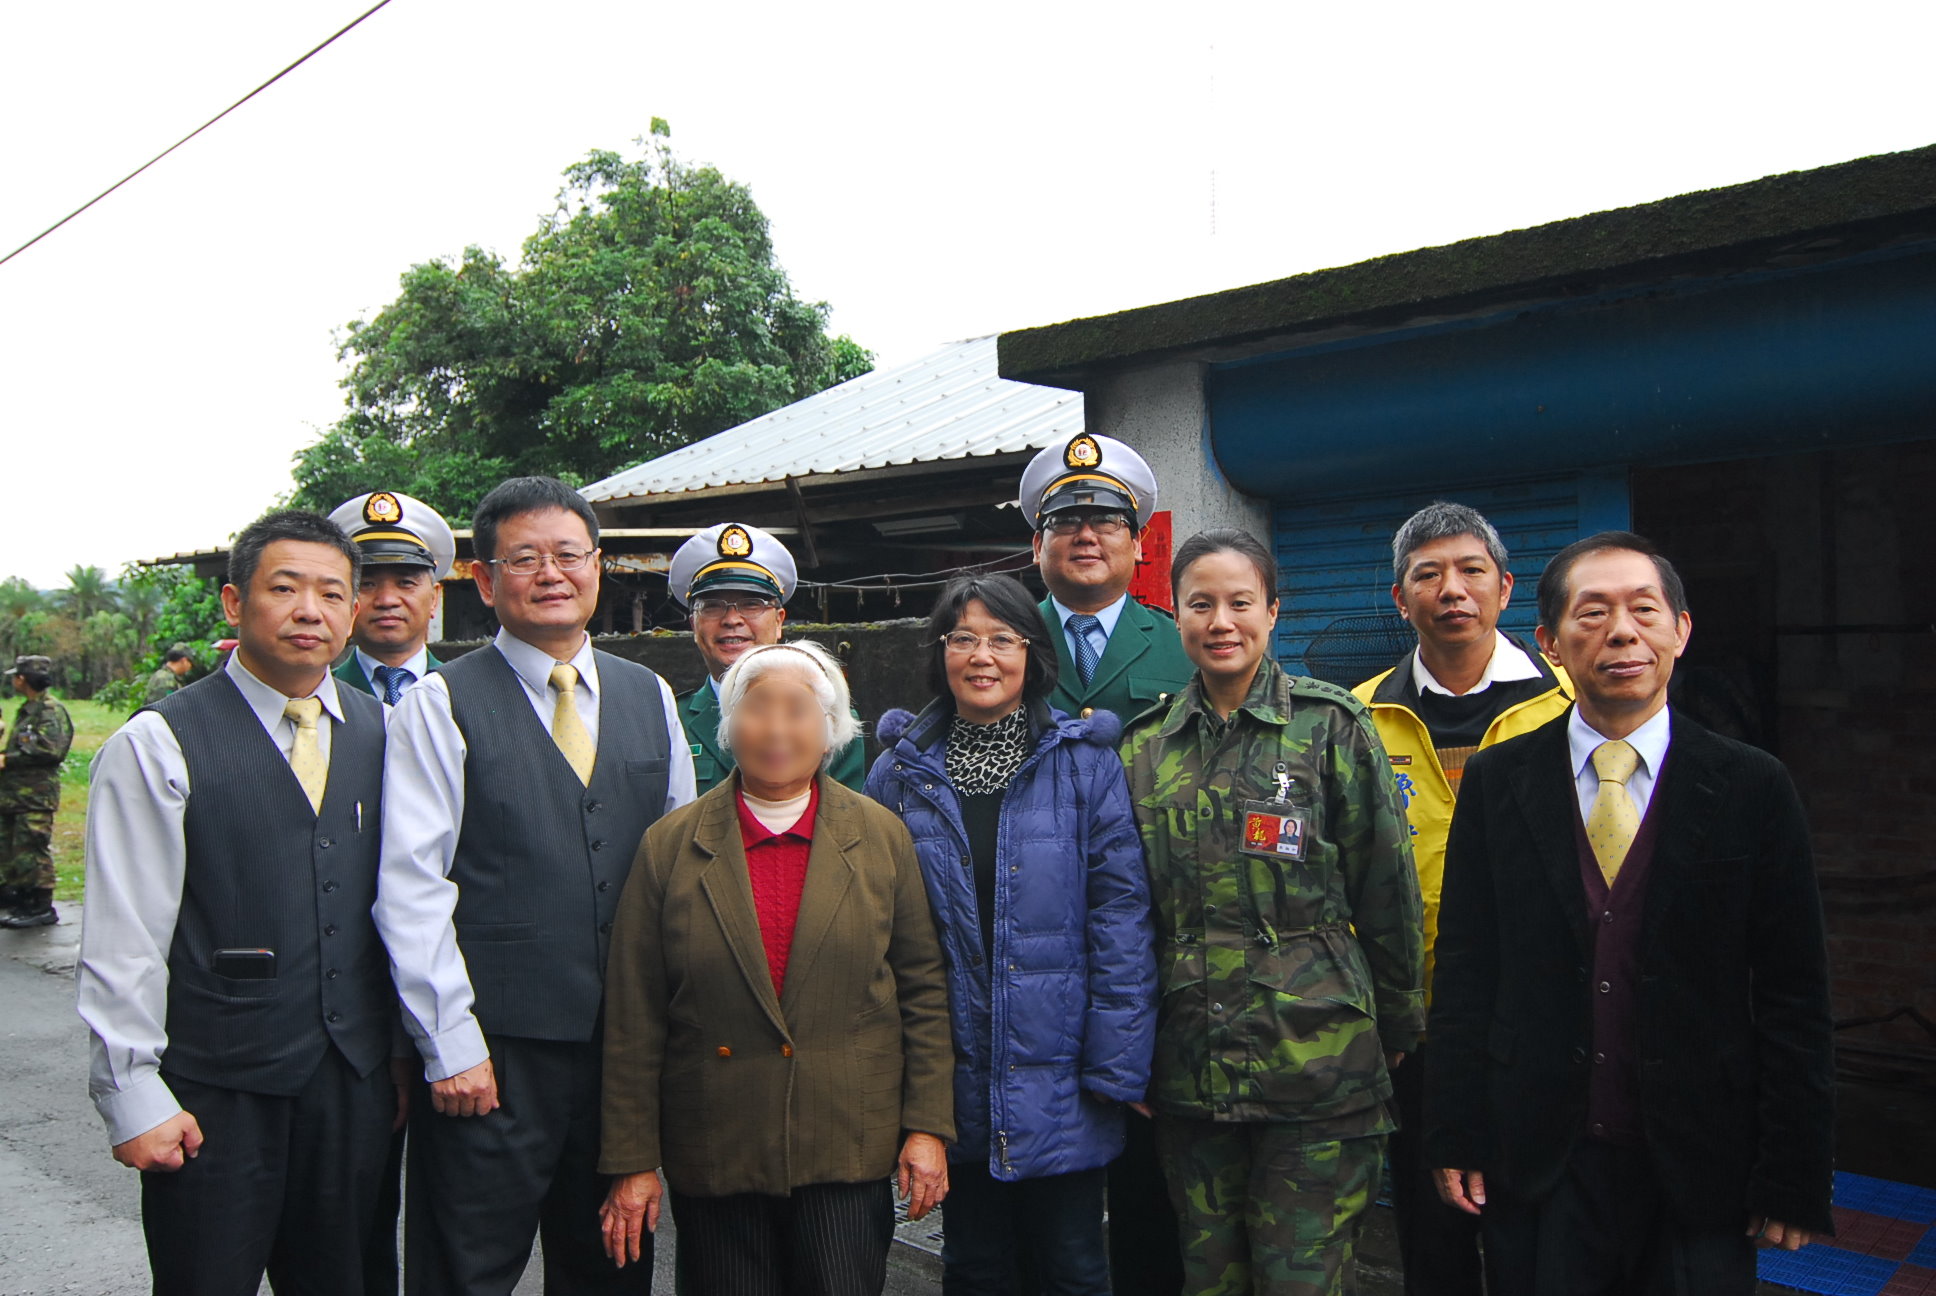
{"x": 1732, "y": 1031}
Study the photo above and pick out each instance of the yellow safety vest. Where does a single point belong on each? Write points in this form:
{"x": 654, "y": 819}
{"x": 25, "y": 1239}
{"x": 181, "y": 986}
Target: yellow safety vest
{"x": 1427, "y": 793}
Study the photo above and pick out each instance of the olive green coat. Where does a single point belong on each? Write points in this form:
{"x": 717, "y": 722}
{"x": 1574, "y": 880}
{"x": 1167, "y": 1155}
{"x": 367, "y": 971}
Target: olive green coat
{"x": 1283, "y": 981}
{"x": 733, "y": 1088}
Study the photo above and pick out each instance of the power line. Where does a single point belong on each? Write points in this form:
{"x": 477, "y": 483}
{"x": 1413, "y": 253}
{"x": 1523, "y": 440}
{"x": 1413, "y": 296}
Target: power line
{"x": 192, "y": 134}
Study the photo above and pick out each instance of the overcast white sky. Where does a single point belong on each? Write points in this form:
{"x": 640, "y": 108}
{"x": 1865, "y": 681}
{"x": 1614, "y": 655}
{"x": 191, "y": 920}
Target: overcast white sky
{"x": 932, "y": 171}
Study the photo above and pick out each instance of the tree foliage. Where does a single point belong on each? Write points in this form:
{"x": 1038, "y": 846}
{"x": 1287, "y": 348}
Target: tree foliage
{"x": 107, "y": 636}
{"x": 645, "y": 313}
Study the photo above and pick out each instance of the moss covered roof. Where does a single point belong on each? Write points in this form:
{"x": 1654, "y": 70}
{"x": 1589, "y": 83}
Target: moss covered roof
{"x": 1713, "y": 229}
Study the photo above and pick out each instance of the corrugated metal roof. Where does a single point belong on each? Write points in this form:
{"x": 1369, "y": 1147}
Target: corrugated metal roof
{"x": 948, "y": 405}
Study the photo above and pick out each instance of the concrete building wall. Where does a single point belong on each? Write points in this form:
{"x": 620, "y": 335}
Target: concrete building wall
{"x": 1161, "y": 412}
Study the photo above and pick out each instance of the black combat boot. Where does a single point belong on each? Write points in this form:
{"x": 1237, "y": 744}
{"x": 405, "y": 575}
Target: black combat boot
{"x": 36, "y": 909}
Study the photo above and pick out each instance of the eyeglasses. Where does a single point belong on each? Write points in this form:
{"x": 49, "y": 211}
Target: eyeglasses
{"x": 529, "y": 564}
{"x": 1001, "y": 643}
{"x": 1103, "y": 524}
{"x": 751, "y": 606}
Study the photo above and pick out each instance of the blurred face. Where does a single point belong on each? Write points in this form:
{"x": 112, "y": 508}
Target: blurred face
{"x": 394, "y": 605}
{"x": 1617, "y": 638}
{"x": 1087, "y": 556}
{"x": 1225, "y": 617}
{"x": 1452, "y": 592}
{"x": 726, "y": 623}
{"x": 181, "y": 666}
{"x": 779, "y": 729}
{"x": 294, "y": 618}
{"x": 985, "y": 677}
{"x": 548, "y": 604}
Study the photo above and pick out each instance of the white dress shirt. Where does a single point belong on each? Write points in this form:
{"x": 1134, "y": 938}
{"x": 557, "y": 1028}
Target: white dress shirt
{"x": 423, "y": 812}
{"x": 137, "y": 858}
{"x": 1650, "y": 740}
{"x": 1507, "y": 664}
{"x": 418, "y": 666}
{"x": 1108, "y": 617}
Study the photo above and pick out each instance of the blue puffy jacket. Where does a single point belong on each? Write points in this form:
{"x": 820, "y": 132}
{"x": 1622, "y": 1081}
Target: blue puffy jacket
{"x": 1073, "y": 1006}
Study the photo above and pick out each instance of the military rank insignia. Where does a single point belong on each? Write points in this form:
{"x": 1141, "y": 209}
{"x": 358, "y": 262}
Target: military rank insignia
{"x": 735, "y": 543}
{"x": 382, "y": 507}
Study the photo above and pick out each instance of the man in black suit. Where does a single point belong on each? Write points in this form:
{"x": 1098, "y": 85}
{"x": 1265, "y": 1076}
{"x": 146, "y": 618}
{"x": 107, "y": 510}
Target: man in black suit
{"x": 1632, "y": 1072}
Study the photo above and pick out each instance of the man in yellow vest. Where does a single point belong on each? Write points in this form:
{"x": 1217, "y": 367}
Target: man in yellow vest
{"x": 1466, "y": 686}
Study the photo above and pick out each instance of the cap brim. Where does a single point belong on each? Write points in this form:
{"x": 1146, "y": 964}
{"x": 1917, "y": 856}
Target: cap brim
{"x": 1088, "y": 494}
{"x": 733, "y": 580}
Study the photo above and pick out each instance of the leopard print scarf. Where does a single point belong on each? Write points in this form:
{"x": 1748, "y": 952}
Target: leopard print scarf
{"x": 982, "y": 758}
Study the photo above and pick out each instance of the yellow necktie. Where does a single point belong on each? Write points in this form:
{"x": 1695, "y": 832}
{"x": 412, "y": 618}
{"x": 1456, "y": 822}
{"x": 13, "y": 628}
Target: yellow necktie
{"x": 568, "y": 727}
{"x": 306, "y": 757}
{"x": 1610, "y": 828}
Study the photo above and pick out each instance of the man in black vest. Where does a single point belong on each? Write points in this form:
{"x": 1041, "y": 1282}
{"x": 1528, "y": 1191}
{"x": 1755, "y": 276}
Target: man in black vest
{"x": 521, "y": 778}
{"x": 1632, "y": 1073}
{"x": 230, "y": 974}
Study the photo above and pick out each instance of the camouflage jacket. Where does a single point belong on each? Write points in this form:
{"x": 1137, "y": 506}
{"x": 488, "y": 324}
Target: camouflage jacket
{"x": 160, "y": 685}
{"x": 1290, "y": 955}
{"x": 42, "y": 733}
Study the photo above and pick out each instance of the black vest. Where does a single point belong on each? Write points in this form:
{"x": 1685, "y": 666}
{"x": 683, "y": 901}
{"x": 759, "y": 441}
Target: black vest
{"x": 266, "y": 872}
{"x": 541, "y": 858}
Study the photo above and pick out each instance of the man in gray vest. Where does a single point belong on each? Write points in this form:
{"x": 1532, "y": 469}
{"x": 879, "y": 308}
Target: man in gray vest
{"x": 521, "y": 778}
{"x": 234, "y": 984}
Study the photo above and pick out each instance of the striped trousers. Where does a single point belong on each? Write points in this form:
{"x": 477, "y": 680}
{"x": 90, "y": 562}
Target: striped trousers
{"x": 823, "y": 1240}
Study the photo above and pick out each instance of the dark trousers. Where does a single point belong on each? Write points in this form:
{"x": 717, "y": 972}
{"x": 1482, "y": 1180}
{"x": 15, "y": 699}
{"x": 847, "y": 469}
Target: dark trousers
{"x": 285, "y": 1186}
{"x": 481, "y": 1188}
{"x": 380, "y": 1265}
{"x": 822, "y": 1240}
{"x": 1052, "y": 1225}
{"x": 1144, "y": 1256}
{"x": 1438, "y": 1246}
{"x": 1607, "y": 1230}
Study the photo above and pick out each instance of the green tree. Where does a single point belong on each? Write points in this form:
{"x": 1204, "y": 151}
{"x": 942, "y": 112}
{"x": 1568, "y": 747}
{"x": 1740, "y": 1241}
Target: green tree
{"x": 646, "y": 312}
{"x": 88, "y": 591}
{"x": 18, "y": 600}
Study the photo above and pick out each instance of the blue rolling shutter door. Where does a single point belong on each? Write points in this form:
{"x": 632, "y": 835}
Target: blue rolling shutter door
{"x": 1334, "y": 557}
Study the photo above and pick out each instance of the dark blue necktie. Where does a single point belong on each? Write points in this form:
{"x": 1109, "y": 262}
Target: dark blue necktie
{"x": 394, "y": 679}
{"x": 1080, "y": 624}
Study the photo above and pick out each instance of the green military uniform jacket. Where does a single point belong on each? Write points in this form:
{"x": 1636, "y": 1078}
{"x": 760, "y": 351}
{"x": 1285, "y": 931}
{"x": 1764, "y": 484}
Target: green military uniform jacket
{"x": 351, "y": 673}
{"x": 699, "y": 713}
{"x": 42, "y": 734}
{"x": 160, "y": 685}
{"x": 1144, "y": 661}
{"x": 1284, "y": 975}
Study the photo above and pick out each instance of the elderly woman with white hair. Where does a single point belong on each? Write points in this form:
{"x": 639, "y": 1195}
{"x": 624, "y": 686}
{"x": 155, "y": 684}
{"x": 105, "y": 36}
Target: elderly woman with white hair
{"x": 776, "y": 1026}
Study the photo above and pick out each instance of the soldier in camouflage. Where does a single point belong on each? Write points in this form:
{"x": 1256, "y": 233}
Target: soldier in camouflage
{"x": 1290, "y": 950}
{"x": 29, "y": 795}
{"x": 175, "y": 665}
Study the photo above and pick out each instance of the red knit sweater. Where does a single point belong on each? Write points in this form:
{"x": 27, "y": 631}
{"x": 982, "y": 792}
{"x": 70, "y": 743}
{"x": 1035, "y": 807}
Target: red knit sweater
{"x": 776, "y": 864}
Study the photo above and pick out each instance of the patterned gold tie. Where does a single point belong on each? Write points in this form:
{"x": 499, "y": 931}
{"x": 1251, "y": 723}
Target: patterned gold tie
{"x": 306, "y": 757}
{"x": 1611, "y": 827}
{"x": 567, "y": 726}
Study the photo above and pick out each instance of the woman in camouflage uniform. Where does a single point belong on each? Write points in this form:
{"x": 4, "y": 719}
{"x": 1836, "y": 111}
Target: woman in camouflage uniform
{"x": 1290, "y": 956}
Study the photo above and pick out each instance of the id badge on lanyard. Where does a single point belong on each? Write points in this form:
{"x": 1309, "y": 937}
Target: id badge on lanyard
{"x": 1276, "y": 828}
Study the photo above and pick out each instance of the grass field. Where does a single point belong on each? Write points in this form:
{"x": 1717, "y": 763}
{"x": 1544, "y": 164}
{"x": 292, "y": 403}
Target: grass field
{"x": 92, "y": 725}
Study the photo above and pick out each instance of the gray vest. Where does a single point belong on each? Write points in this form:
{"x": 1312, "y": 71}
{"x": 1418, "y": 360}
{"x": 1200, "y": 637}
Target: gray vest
{"x": 265, "y": 871}
{"x": 541, "y": 858}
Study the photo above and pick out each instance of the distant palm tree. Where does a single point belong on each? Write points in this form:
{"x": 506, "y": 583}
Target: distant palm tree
{"x": 88, "y": 591}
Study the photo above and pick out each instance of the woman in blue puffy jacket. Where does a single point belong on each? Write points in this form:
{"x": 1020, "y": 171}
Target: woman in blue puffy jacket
{"x": 1021, "y": 819}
